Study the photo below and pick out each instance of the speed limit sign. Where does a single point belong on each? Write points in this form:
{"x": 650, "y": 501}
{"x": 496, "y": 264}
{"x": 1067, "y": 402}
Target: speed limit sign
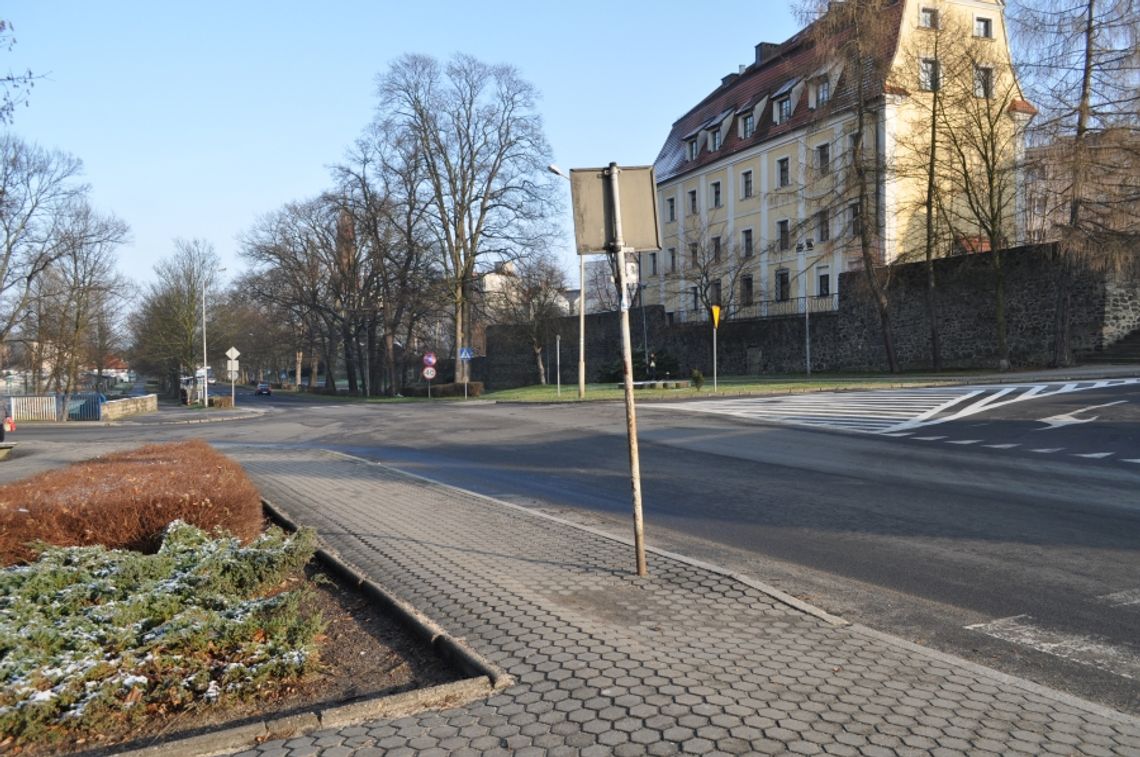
{"x": 429, "y": 373}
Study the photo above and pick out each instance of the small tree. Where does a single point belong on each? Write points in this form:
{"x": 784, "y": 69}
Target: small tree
{"x": 530, "y": 294}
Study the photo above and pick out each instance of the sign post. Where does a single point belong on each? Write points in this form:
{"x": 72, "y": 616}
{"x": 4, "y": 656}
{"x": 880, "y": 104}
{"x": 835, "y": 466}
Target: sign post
{"x": 465, "y": 354}
{"x": 615, "y": 211}
{"x": 429, "y": 370}
{"x": 715, "y": 310}
{"x": 232, "y": 356}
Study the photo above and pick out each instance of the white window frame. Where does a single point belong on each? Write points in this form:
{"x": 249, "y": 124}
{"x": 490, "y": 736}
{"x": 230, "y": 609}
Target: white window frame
{"x": 986, "y": 24}
{"x": 714, "y": 140}
{"x": 823, "y": 158}
{"x": 783, "y": 235}
{"x": 929, "y": 74}
{"x": 822, "y": 91}
{"x": 983, "y": 82}
{"x": 694, "y": 149}
{"x": 783, "y": 172}
{"x": 926, "y": 13}
{"x": 747, "y": 187}
{"x": 747, "y": 243}
{"x": 715, "y": 194}
{"x": 694, "y": 208}
{"x": 747, "y": 125}
{"x": 782, "y": 109}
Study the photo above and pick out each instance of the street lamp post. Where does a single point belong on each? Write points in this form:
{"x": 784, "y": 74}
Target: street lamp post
{"x": 581, "y": 307}
{"x": 205, "y": 361}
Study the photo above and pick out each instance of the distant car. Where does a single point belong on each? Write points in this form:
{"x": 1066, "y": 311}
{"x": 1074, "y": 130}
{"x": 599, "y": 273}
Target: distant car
{"x": 263, "y": 388}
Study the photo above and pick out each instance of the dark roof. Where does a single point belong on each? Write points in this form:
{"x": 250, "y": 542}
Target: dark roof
{"x": 778, "y": 73}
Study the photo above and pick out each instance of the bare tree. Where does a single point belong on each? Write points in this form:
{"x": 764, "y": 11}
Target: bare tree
{"x": 39, "y": 189}
{"x": 855, "y": 35}
{"x": 1081, "y": 62}
{"x": 484, "y": 157}
{"x": 983, "y": 121}
{"x": 166, "y": 329}
{"x": 530, "y": 294}
{"x": 714, "y": 264}
{"x": 16, "y": 86}
{"x": 73, "y": 297}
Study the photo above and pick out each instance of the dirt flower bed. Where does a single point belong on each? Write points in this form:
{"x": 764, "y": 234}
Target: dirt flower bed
{"x": 181, "y": 625}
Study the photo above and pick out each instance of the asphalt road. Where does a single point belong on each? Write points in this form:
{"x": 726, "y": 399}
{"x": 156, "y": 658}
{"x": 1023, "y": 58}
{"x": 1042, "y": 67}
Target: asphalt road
{"x": 1005, "y": 533}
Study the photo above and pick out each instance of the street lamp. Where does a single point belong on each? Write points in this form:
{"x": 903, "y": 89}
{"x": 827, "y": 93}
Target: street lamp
{"x": 581, "y": 306}
{"x": 205, "y": 360}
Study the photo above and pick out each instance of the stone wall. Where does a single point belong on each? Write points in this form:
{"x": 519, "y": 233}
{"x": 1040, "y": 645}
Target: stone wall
{"x": 1105, "y": 307}
{"x": 115, "y": 409}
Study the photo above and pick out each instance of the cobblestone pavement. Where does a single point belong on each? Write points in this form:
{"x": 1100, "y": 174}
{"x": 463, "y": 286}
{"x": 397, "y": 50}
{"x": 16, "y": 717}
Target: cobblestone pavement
{"x": 686, "y": 661}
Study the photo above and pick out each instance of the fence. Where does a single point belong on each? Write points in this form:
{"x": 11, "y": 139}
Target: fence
{"x": 825, "y": 303}
{"x": 57, "y": 407}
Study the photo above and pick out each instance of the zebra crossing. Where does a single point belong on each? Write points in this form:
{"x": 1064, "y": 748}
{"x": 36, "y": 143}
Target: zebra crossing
{"x": 892, "y": 412}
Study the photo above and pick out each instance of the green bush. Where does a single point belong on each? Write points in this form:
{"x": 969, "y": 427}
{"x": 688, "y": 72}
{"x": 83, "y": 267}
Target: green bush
{"x": 697, "y": 378}
{"x": 94, "y": 640}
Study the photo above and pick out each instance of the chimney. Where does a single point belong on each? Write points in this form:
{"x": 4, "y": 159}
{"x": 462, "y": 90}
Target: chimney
{"x": 764, "y": 51}
{"x": 728, "y": 79}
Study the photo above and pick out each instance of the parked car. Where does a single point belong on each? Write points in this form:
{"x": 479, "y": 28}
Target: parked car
{"x": 263, "y": 388}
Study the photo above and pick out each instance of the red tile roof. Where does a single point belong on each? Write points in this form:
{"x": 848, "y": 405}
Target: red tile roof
{"x": 783, "y": 67}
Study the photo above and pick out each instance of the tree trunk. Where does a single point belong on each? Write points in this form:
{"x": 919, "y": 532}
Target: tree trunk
{"x": 999, "y": 310}
{"x": 538, "y": 364}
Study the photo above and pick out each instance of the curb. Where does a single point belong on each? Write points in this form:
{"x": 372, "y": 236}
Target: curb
{"x": 451, "y": 649}
{"x": 484, "y": 678}
{"x": 835, "y": 621}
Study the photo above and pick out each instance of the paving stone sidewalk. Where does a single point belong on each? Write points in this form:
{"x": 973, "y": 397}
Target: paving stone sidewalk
{"x": 686, "y": 661}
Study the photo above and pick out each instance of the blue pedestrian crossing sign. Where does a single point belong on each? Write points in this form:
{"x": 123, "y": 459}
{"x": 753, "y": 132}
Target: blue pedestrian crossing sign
{"x": 466, "y": 353}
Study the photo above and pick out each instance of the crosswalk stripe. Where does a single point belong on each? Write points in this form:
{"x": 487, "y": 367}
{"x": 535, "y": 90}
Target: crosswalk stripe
{"x": 1002, "y": 446}
{"x": 1094, "y": 455}
{"x": 1084, "y": 650}
{"x": 1126, "y": 598}
{"x": 964, "y": 442}
{"x": 1047, "y": 450}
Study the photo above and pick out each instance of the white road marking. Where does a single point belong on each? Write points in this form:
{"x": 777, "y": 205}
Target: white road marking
{"x": 966, "y": 441}
{"x": 1084, "y": 650}
{"x": 900, "y": 433}
{"x": 1094, "y": 455}
{"x": 1048, "y": 450}
{"x": 890, "y": 412}
{"x": 1126, "y": 598}
{"x": 1131, "y": 460}
{"x": 929, "y": 438}
{"x": 1002, "y": 446}
{"x": 1068, "y": 419}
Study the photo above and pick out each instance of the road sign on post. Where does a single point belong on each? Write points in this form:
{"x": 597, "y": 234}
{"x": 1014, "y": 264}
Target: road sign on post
{"x": 715, "y": 311}
{"x": 615, "y": 211}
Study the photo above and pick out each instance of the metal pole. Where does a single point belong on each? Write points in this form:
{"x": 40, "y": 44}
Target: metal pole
{"x": 714, "y": 358}
{"x": 205, "y": 372}
{"x": 627, "y": 361}
{"x": 644, "y": 328}
{"x": 558, "y": 361}
{"x": 581, "y": 327}
{"x": 807, "y": 333}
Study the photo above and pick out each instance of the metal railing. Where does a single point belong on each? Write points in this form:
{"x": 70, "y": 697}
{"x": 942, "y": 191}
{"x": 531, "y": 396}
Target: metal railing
{"x": 791, "y": 306}
{"x": 86, "y": 406}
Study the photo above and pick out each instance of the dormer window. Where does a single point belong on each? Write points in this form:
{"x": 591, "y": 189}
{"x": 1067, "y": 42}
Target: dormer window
{"x": 822, "y": 91}
{"x": 714, "y": 140}
{"x": 747, "y": 125}
{"x": 694, "y": 148}
{"x": 782, "y": 109}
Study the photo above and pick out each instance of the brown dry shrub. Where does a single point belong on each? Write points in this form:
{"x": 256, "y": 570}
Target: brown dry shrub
{"x": 126, "y": 500}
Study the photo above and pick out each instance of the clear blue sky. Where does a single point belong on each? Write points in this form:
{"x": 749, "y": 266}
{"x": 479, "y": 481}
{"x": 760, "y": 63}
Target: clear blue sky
{"x": 193, "y": 119}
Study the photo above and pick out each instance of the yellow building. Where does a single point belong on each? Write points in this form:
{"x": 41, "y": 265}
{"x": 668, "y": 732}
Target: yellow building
{"x": 757, "y": 205}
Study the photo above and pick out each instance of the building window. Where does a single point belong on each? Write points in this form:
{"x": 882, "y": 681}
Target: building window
{"x": 783, "y": 285}
{"x": 746, "y": 184}
{"x": 695, "y": 254}
{"x": 693, "y": 201}
{"x": 928, "y": 18}
{"x": 715, "y": 187}
{"x": 672, "y": 260}
{"x": 822, "y": 227}
{"x": 983, "y": 82}
{"x": 856, "y": 218}
{"x": 746, "y": 290}
{"x": 746, "y": 242}
{"x": 822, "y": 281}
{"x": 747, "y": 125}
{"x": 784, "y": 232}
{"x": 823, "y": 159}
{"x": 983, "y": 27}
{"x": 653, "y": 264}
{"x": 822, "y": 91}
{"x": 696, "y": 298}
{"x": 852, "y": 144}
{"x": 693, "y": 149}
{"x": 783, "y": 172}
{"x": 714, "y": 140}
{"x": 782, "y": 109}
{"x": 714, "y": 292}
{"x": 716, "y": 249}
{"x": 671, "y": 209}
{"x": 928, "y": 74}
